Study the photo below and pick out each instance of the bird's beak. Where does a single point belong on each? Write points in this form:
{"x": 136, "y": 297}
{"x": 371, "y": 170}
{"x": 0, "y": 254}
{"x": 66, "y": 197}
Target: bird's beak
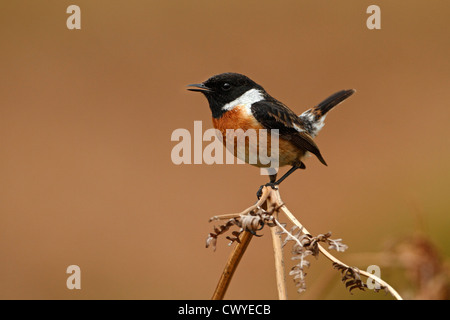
{"x": 200, "y": 87}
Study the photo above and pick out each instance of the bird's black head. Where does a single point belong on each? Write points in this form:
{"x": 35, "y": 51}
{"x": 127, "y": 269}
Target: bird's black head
{"x": 224, "y": 88}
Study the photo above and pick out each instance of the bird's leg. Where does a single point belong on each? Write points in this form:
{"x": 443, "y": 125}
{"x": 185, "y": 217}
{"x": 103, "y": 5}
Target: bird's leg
{"x": 287, "y": 174}
{"x": 273, "y": 184}
{"x": 273, "y": 178}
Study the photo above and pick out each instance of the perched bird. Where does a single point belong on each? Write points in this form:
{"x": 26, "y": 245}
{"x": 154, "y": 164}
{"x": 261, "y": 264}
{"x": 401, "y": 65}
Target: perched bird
{"x": 237, "y": 102}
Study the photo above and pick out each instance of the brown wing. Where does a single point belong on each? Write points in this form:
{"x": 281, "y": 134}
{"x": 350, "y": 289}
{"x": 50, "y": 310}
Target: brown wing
{"x": 274, "y": 115}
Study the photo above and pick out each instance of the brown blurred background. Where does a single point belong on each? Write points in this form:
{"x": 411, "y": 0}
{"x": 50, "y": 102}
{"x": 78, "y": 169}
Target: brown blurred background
{"x": 86, "y": 118}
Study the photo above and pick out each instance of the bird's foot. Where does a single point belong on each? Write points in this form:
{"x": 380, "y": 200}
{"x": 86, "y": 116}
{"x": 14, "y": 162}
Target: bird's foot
{"x": 273, "y": 185}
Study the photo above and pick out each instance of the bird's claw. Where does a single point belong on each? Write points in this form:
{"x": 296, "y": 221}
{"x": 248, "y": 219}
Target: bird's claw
{"x": 269, "y": 184}
{"x": 254, "y": 233}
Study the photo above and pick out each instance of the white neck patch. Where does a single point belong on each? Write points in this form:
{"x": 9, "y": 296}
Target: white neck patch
{"x": 248, "y": 98}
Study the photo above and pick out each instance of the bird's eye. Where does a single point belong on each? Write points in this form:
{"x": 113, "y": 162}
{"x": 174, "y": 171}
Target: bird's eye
{"x": 226, "y": 86}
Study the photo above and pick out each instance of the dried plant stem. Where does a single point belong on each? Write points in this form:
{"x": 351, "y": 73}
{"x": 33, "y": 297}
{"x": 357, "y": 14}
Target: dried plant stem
{"x": 279, "y": 263}
{"x": 293, "y": 219}
{"x": 265, "y": 212}
{"x": 278, "y": 252}
{"x": 231, "y": 266}
{"x": 238, "y": 251}
{"x": 265, "y": 194}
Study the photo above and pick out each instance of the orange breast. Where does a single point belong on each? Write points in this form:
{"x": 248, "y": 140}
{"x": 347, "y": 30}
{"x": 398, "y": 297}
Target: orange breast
{"x": 238, "y": 118}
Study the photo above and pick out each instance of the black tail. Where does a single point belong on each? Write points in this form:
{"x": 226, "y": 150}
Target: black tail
{"x": 313, "y": 119}
{"x": 332, "y": 101}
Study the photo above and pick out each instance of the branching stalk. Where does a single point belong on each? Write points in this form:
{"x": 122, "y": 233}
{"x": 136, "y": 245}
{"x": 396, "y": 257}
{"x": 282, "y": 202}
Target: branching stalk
{"x": 265, "y": 212}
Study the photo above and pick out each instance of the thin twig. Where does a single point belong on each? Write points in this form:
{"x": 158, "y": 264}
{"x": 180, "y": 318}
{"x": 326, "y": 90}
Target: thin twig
{"x": 328, "y": 255}
{"x": 259, "y": 203}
